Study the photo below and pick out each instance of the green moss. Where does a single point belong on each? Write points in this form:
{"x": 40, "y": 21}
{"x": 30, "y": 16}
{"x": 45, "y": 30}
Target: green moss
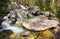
{"x": 47, "y": 34}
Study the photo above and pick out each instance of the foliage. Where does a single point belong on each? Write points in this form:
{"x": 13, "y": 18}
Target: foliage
{"x": 47, "y": 5}
{"x": 39, "y": 3}
{"x": 12, "y": 36}
{"x": 58, "y": 14}
{"x": 4, "y": 7}
{"x": 47, "y": 34}
{"x": 31, "y": 36}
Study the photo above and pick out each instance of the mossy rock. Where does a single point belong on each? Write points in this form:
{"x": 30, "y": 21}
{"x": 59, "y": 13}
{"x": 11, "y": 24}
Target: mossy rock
{"x": 47, "y": 34}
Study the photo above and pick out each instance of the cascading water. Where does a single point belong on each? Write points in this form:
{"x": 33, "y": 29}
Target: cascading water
{"x": 18, "y": 14}
{"x": 6, "y": 24}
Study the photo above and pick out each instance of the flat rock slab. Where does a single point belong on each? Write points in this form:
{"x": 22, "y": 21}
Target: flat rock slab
{"x": 40, "y": 23}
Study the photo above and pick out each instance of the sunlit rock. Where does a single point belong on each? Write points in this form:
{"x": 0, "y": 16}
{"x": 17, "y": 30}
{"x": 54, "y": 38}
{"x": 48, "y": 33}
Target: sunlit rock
{"x": 40, "y": 23}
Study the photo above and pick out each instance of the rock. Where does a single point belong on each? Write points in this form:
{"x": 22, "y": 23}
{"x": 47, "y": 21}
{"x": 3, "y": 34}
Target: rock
{"x": 40, "y": 23}
{"x": 27, "y": 33}
{"x": 22, "y": 15}
{"x": 34, "y": 10}
{"x": 22, "y": 7}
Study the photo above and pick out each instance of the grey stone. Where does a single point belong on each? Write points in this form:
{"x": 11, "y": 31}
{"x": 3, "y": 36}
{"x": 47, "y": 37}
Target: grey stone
{"x": 40, "y": 23}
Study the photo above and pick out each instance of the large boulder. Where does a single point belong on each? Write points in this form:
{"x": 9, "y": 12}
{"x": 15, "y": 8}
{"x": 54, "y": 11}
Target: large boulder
{"x": 40, "y": 23}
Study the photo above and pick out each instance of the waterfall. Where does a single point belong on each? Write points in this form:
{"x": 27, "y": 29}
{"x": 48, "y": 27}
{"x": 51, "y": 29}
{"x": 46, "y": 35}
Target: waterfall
{"x": 7, "y": 23}
{"x": 6, "y": 26}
